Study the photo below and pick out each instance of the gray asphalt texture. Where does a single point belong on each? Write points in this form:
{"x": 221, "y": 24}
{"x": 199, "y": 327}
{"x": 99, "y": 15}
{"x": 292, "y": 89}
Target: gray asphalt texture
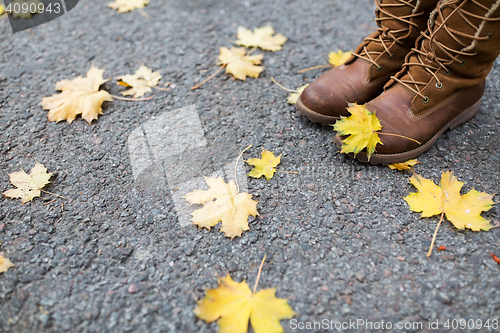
{"x": 340, "y": 241}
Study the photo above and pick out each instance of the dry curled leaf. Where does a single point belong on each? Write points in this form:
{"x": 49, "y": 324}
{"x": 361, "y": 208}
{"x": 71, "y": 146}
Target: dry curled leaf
{"x": 233, "y": 304}
{"x": 141, "y": 82}
{"x": 264, "y": 166}
{"x": 222, "y": 202}
{"x": 339, "y": 57}
{"x": 260, "y": 37}
{"x": 79, "y": 96}
{"x": 28, "y": 186}
{"x": 239, "y": 64}
{"x": 408, "y": 165}
{"x": 464, "y": 211}
{"x": 293, "y": 97}
{"x": 123, "y": 6}
{"x": 361, "y": 127}
{"x": 5, "y": 264}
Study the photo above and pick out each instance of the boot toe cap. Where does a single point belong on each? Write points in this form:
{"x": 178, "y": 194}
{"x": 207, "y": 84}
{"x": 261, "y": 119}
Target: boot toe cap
{"x": 322, "y": 98}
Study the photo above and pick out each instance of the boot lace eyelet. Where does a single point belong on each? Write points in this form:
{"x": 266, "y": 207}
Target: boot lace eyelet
{"x": 488, "y": 36}
{"x": 462, "y": 62}
{"x": 425, "y": 100}
{"x": 380, "y": 68}
{"x": 439, "y": 85}
{"x": 447, "y": 72}
{"x": 393, "y": 56}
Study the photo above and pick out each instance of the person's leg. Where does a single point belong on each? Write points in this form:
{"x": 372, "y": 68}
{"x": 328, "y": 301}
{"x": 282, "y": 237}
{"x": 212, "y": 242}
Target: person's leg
{"x": 379, "y": 56}
{"x": 442, "y": 80}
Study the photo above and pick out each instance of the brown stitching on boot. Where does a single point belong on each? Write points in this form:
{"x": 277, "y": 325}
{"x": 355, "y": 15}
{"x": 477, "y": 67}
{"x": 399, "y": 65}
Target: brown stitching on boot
{"x": 426, "y": 145}
{"x": 433, "y": 109}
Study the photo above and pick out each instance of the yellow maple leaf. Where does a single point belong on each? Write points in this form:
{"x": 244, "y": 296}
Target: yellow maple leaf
{"x": 464, "y": 211}
{"x": 5, "y": 264}
{"x": 294, "y": 96}
{"x": 2, "y": 8}
{"x": 222, "y": 202}
{"x": 24, "y": 14}
{"x": 260, "y": 37}
{"x": 141, "y": 82}
{"x": 233, "y": 304}
{"x": 78, "y": 96}
{"x": 339, "y": 57}
{"x": 123, "y": 6}
{"x": 239, "y": 64}
{"x": 28, "y": 186}
{"x": 264, "y": 166}
{"x": 362, "y": 127}
{"x": 408, "y": 165}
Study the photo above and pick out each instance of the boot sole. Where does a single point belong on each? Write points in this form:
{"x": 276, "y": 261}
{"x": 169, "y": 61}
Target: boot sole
{"x": 403, "y": 157}
{"x": 314, "y": 116}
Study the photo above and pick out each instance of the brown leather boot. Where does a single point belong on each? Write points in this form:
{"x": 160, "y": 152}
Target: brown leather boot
{"x": 379, "y": 56}
{"x": 442, "y": 80}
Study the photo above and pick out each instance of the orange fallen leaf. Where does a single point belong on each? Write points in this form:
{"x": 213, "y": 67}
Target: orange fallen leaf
{"x": 239, "y": 64}
{"x": 5, "y": 264}
{"x": 264, "y": 166}
{"x": 123, "y": 6}
{"x": 408, "y": 165}
{"x": 223, "y": 203}
{"x": 361, "y": 128}
{"x": 260, "y": 37}
{"x": 339, "y": 57}
{"x": 78, "y": 96}
{"x": 463, "y": 211}
{"x": 233, "y": 304}
{"x": 28, "y": 186}
{"x": 140, "y": 82}
{"x": 294, "y": 96}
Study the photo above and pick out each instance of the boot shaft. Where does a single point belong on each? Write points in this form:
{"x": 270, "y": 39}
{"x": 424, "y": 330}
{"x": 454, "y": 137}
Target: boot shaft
{"x": 390, "y": 12}
{"x": 400, "y": 23}
{"x": 470, "y": 33}
{"x": 456, "y": 52}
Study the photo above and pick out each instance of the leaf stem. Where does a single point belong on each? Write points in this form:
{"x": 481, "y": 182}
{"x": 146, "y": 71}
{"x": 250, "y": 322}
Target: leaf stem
{"x": 401, "y": 136}
{"x": 251, "y": 51}
{"x": 434, "y": 237}
{"x": 209, "y": 78}
{"x": 311, "y": 68}
{"x": 258, "y": 274}
{"x": 163, "y": 89}
{"x": 282, "y": 87}
{"x": 294, "y": 172}
{"x": 236, "y": 166}
{"x": 132, "y": 99}
{"x": 143, "y": 13}
{"x": 54, "y": 194}
{"x": 51, "y": 201}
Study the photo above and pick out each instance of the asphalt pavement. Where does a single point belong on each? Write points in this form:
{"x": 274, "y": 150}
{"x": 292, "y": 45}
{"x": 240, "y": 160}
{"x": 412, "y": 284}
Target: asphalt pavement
{"x": 119, "y": 254}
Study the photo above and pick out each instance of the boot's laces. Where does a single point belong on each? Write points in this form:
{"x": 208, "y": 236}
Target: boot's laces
{"x": 428, "y": 59}
{"x": 387, "y": 36}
